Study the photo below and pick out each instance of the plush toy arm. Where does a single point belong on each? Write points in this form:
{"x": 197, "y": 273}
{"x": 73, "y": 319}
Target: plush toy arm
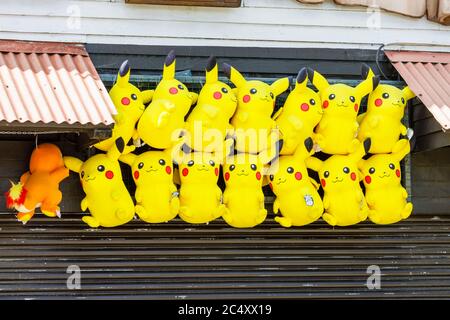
{"x": 276, "y": 206}
{"x": 135, "y": 135}
{"x": 358, "y": 195}
{"x": 369, "y": 200}
{"x": 295, "y": 122}
{"x": 374, "y": 121}
{"x": 210, "y": 111}
{"x": 84, "y": 204}
{"x": 115, "y": 194}
{"x": 138, "y": 195}
{"x": 229, "y": 131}
{"x": 323, "y": 123}
{"x": 218, "y": 194}
{"x": 119, "y": 119}
{"x": 326, "y": 202}
{"x": 360, "y": 117}
{"x": 226, "y": 197}
{"x": 404, "y": 193}
{"x": 60, "y": 174}
{"x": 24, "y": 177}
{"x": 403, "y": 130}
{"x": 243, "y": 116}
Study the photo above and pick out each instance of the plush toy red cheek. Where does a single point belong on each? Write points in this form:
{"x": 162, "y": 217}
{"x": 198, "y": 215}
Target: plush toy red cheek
{"x": 185, "y": 172}
{"x": 227, "y": 176}
{"x": 109, "y": 174}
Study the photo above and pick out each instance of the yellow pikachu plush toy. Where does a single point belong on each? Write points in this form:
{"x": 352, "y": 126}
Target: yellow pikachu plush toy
{"x": 255, "y": 130}
{"x": 107, "y": 198}
{"x": 156, "y": 194}
{"x": 296, "y": 193}
{"x": 301, "y": 113}
{"x": 200, "y": 197}
{"x": 337, "y": 130}
{"x": 209, "y": 122}
{"x": 343, "y": 201}
{"x": 384, "y": 193}
{"x": 163, "y": 120}
{"x": 382, "y": 122}
{"x": 130, "y": 104}
{"x": 243, "y": 195}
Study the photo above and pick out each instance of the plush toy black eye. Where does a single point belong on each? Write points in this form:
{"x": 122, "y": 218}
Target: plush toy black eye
{"x": 101, "y": 168}
{"x": 403, "y": 100}
{"x": 162, "y": 162}
{"x": 271, "y": 177}
{"x": 346, "y": 170}
{"x": 312, "y": 102}
{"x": 224, "y": 90}
{"x": 392, "y": 166}
{"x": 82, "y": 174}
{"x": 180, "y": 86}
{"x": 326, "y": 174}
{"x": 271, "y": 95}
{"x": 385, "y": 95}
{"x": 190, "y": 163}
{"x": 253, "y": 166}
{"x": 140, "y": 165}
{"x": 232, "y": 167}
{"x": 372, "y": 170}
{"x": 133, "y": 96}
{"x": 253, "y": 91}
{"x": 332, "y": 96}
{"x": 290, "y": 170}
{"x": 352, "y": 99}
{"x": 212, "y": 163}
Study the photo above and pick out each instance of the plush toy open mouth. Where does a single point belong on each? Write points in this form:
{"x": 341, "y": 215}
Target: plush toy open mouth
{"x": 337, "y": 180}
{"x": 397, "y": 104}
{"x": 151, "y": 170}
{"x": 281, "y": 181}
{"x": 384, "y": 176}
{"x": 87, "y": 179}
{"x": 243, "y": 174}
{"x": 202, "y": 169}
{"x": 342, "y": 105}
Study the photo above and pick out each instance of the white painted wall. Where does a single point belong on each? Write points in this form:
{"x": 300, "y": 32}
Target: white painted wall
{"x": 258, "y": 23}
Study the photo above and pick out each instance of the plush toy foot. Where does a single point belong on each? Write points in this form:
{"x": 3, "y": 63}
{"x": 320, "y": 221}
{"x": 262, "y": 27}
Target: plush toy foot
{"x": 141, "y": 212}
{"x": 175, "y": 205}
{"x": 332, "y": 221}
{"x": 185, "y": 211}
{"x": 262, "y": 214}
{"x": 219, "y": 212}
{"x": 52, "y": 212}
{"x": 227, "y": 216}
{"x": 91, "y": 221}
{"x": 375, "y": 217}
{"x": 25, "y": 217}
{"x": 354, "y": 145}
{"x": 363, "y": 215}
{"x": 122, "y": 214}
{"x": 407, "y": 210}
{"x": 285, "y": 222}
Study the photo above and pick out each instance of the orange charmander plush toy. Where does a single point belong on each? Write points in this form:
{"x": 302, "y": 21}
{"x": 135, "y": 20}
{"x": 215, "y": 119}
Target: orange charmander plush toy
{"x": 39, "y": 187}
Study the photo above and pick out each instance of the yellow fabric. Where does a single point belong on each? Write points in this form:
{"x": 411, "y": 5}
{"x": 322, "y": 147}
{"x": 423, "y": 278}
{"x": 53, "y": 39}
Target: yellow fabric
{"x": 384, "y": 193}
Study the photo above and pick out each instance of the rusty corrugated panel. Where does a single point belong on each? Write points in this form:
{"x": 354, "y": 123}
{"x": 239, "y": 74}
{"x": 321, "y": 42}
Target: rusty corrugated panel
{"x": 51, "y": 82}
{"x": 177, "y": 260}
{"x": 428, "y": 75}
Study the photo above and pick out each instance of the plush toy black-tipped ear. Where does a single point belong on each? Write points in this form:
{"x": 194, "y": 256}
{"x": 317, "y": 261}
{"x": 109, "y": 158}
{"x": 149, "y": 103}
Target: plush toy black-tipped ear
{"x": 226, "y": 69}
{"x": 302, "y": 74}
{"x": 365, "y": 70}
{"x": 212, "y": 61}
{"x": 367, "y": 144}
{"x": 124, "y": 68}
{"x": 120, "y": 144}
{"x": 310, "y": 73}
{"x": 309, "y": 143}
{"x": 375, "y": 82}
{"x": 170, "y": 58}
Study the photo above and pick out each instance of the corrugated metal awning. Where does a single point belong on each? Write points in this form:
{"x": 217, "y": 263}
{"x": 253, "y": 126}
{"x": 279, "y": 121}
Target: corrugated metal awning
{"x": 51, "y": 82}
{"x": 428, "y": 75}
